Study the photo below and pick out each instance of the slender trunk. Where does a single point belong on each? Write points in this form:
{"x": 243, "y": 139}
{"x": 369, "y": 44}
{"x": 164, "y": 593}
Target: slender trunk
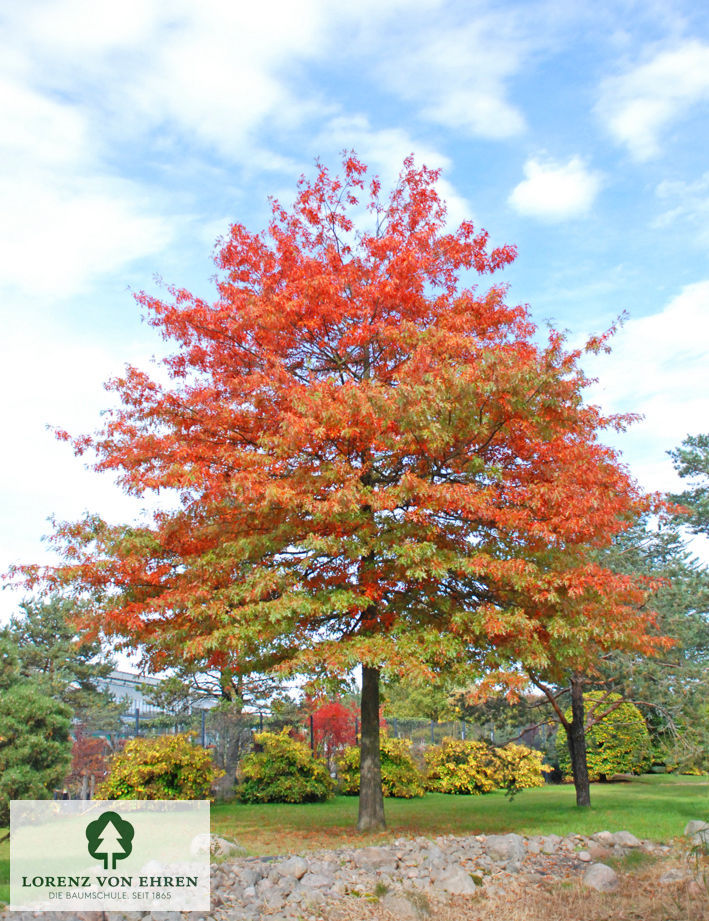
{"x": 576, "y": 738}
{"x": 371, "y": 799}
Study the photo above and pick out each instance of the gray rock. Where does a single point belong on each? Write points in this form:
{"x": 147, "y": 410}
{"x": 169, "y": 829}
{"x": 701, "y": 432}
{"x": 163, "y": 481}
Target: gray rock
{"x": 273, "y": 900}
{"x": 316, "y": 881}
{"x": 294, "y": 866}
{"x": 405, "y": 908}
{"x": 625, "y": 839}
{"x": 675, "y": 875}
{"x": 456, "y": 881}
{"x": 505, "y": 847}
{"x": 701, "y": 838}
{"x": 696, "y": 825}
{"x": 584, "y": 856}
{"x": 550, "y": 844}
{"x": 601, "y": 877}
{"x": 604, "y": 837}
{"x": 249, "y": 876}
{"x": 375, "y": 858}
{"x": 216, "y": 846}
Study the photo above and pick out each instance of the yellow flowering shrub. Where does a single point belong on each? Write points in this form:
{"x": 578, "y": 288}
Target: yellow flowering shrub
{"x": 472, "y": 767}
{"x": 160, "y": 767}
{"x": 519, "y": 767}
{"x": 283, "y": 771}
{"x": 460, "y": 766}
{"x": 400, "y": 776}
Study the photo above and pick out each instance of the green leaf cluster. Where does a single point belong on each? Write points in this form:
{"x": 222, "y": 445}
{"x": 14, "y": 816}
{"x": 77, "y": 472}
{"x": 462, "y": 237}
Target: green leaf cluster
{"x": 400, "y": 775}
{"x": 161, "y": 767}
{"x": 284, "y": 770}
{"x": 473, "y": 767}
{"x": 35, "y": 748}
{"x": 617, "y": 744}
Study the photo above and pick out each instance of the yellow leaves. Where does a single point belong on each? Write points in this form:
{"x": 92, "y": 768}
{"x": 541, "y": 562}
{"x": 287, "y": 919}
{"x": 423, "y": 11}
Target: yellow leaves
{"x": 473, "y": 767}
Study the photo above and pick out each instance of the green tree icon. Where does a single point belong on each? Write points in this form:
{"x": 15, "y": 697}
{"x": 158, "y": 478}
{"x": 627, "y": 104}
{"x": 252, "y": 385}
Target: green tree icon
{"x": 110, "y": 838}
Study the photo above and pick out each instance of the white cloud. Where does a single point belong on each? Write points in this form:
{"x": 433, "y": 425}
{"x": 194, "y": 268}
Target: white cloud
{"x": 688, "y": 201}
{"x": 639, "y": 105}
{"x": 658, "y": 367}
{"x": 553, "y": 191}
{"x": 207, "y": 73}
{"x": 65, "y": 220}
{"x": 60, "y": 234}
{"x": 458, "y": 75}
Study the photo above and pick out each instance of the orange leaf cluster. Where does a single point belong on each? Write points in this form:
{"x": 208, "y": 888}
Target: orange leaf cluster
{"x": 371, "y": 461}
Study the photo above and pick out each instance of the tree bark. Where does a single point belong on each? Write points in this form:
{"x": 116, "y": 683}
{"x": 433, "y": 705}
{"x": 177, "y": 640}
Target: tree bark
{"x": 576, "y": 738}
{"x": 371, "y": 799}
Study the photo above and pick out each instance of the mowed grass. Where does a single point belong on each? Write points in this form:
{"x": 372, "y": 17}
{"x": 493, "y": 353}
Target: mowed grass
{"x": 4, "y": 870}
{"x": 653, "y": 806}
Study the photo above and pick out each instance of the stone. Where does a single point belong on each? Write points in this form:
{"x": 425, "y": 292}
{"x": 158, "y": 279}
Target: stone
{"x": 506, "y": 847}
{"x": 696, "y": 825}
{"x": 405, "y": 908}
{"x": 601, "y": 877}
{"x": 455, "y": 881}
{"x": 294, "y": 866}
{"x": 625, "y": 839}
{"x": 375, "y": 858}
{"x": 584, "y": 856}
{"x": 604, "y": 838}
{"x": 316, "y": 881}
{"x": 216, "y": 846}
{"x": 675, "y": 875}
{"x": 273, "y": 900}
{"x": 550, "y": 844}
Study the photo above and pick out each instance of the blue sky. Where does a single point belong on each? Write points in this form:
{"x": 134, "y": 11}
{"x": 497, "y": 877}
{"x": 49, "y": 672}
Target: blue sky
{"x": 134, "y": 133}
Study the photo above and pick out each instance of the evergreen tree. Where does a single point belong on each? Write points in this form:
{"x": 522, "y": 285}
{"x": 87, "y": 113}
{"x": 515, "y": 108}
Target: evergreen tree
{"x": 48, "y": 651}
{"x": 691, "y": 461}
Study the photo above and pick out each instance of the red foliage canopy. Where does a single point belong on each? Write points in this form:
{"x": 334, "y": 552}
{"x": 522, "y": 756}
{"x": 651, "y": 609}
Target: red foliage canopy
{"x": 372, "y": 462}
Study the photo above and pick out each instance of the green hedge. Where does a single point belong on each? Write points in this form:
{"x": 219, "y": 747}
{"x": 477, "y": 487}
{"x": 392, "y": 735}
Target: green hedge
{"x": 161, "y": 767}
{"x": 283, "y": 771}
{"x": 473, "y": 767}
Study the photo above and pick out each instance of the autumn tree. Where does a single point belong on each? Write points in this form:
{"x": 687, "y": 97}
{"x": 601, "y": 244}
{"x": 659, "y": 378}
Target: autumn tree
{"x": 365, "y": 454}
{"x": 565, "y": 633}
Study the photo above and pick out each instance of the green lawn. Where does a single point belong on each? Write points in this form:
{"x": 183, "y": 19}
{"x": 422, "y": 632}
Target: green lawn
{"x": 653, "y": 806}
{"x": 4, "y": 873}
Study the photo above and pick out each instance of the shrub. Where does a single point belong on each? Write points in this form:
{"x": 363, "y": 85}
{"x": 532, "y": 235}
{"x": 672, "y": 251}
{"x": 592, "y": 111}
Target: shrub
{"x": 618, "y": 744}
{"x": 519, "y": 767}
{"x": 471, "y": 767}
{"x": 162, "y": 767}
{"x": 400, "y": 776}
{"x": 284, "y": 771}
{"x": 461, "y": 766}
{"x": 35, "y": 749}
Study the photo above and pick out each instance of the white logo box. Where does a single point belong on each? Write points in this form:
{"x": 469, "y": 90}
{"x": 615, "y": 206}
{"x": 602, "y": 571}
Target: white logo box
{"x": 104, "y": 855}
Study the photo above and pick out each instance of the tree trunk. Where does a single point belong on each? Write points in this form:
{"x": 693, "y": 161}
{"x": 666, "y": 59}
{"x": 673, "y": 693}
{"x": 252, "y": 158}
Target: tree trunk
{"x": 576, "y": 738}
{"x": 371, "y": 799}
